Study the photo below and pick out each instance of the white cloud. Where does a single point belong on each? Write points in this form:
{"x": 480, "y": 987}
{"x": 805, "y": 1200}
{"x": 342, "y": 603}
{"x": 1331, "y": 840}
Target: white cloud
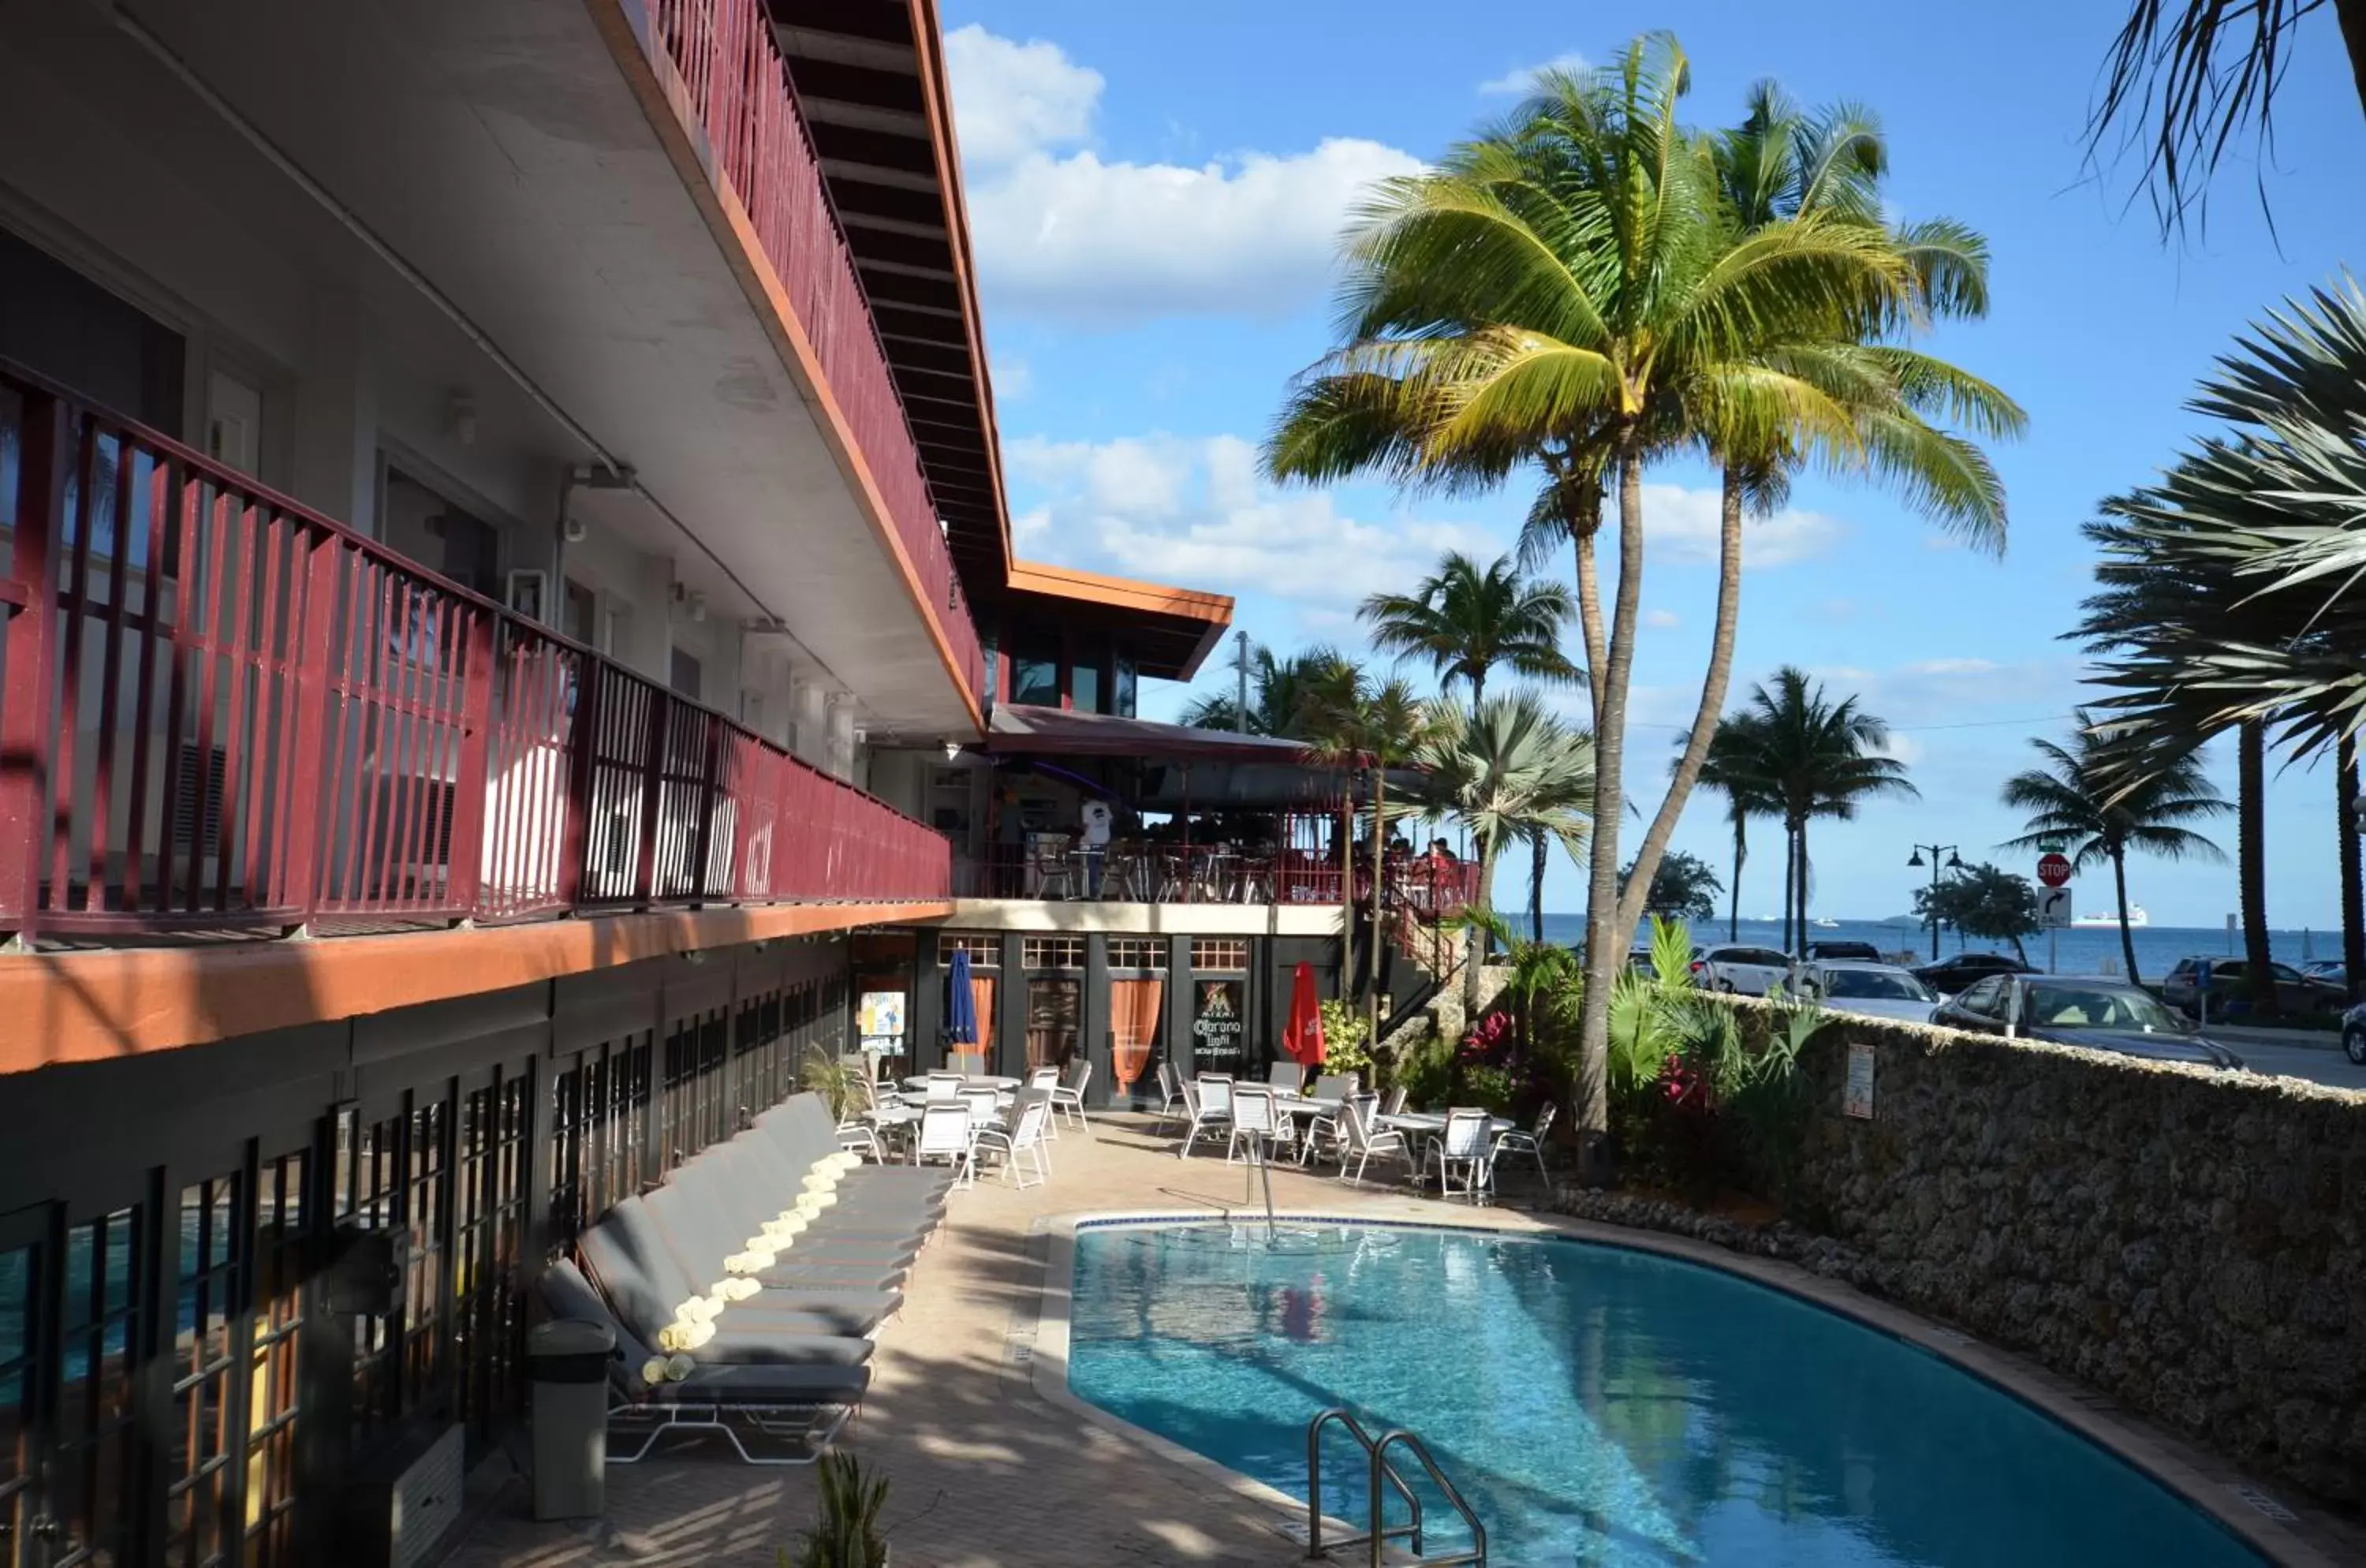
{"x": 1015, "y": 98}
{"x": 1685, "y": 522}
{"x": 1061, "y": 231}
{"x": 1512, "y": 84}
{"x": 1193, "y": 510}
{"x": 1664, "y": 620}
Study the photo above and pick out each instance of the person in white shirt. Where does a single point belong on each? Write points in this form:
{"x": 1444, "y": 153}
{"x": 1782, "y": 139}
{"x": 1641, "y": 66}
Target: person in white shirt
{"x": 1098, "y": 820}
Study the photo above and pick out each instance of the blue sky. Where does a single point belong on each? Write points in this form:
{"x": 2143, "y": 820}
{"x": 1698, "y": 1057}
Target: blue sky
{"x": 1155, "y": 191}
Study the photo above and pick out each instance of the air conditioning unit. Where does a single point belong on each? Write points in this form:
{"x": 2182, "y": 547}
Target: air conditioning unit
{"x": 401, "y": 1504}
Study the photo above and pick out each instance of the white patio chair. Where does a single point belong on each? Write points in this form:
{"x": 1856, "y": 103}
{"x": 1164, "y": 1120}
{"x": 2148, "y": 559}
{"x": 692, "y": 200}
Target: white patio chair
{"x": 1020, "y": 1139}
{"x": 1255, "y": 1118}
{"x": 985, "y": 1107}
{"x": 1332, "y": 1086}
{"x": 1396, "y": 1101}
{"x": 1287, "y": 1076}
{"x": 1068, "y": 1097}
{"x": 1208, "y": 1100}
{"x": 945, "y": 1135}
{"x": 944, "y": 1086}
{"x": 1047, "y": 1078}
{"x": 1531, "y": 1142}
{"x": 1464, "y": 1145}
{"x": 967, "y": 1061}
{"x": 1170, "y": 1095}
{"x": 1363, "y": 1141}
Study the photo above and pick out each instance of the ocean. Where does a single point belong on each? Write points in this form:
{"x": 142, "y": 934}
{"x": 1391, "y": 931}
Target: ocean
{"x": 2081, "y": 951}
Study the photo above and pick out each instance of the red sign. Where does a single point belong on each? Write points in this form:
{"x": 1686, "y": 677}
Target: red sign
{"x": 2053, "y": 870}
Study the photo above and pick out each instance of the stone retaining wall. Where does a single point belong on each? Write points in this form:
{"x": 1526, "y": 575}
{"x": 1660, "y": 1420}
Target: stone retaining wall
{"x": 2189, "y": 1242}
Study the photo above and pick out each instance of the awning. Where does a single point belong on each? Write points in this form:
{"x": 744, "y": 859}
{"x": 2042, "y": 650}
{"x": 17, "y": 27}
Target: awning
{"x": 1020, "y": 728}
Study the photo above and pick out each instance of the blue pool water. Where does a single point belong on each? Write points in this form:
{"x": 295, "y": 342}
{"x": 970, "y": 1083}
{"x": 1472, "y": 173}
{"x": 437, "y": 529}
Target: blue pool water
{"x": 1600, "y": 1405}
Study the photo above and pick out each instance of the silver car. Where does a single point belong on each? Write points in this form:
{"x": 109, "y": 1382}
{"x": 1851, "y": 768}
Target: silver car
{"x": 1874, "y": 990}
{"x": 1742, "y": 968}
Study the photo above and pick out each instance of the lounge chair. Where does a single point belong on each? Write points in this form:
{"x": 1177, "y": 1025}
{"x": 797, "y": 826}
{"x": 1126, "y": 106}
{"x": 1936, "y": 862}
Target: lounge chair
{"x": 807, "y": 1401}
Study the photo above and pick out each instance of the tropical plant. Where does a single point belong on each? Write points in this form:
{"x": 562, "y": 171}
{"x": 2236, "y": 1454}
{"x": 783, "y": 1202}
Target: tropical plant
{"x": 1983, "y": 901}
{"x": 2185, "y": 77}
{"x": 1347, "y": 1038}
{"x": 2082, "y": 798}
{"x": 1355, "y": 722}
{"x": 1817, "y": 759}
{"x": 837, "y": 1078}
{"x": 1507, "y": 770}
{"x": 1683, "y": 888}
{"x": 1573, "y": 291}
{"x": 1282, "y": 694}
{"x": 1466, "y": 619}
{"x": 845, "y": 1533}
{"x": 1735, "y": 752}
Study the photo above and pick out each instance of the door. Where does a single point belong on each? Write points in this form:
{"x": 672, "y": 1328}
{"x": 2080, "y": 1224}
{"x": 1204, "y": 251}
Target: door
{"x": 234, "y": 423}
{"x": 1054, "y": 1011}
{"x": 26, "y": 1527}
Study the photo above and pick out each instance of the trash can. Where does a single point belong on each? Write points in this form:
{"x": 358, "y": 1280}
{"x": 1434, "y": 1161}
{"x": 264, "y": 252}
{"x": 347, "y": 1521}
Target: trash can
{"x": 567, "y": 1364}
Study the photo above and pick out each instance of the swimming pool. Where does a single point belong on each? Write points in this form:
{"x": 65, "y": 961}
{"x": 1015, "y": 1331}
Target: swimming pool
{"x": 1600, "y": 1404}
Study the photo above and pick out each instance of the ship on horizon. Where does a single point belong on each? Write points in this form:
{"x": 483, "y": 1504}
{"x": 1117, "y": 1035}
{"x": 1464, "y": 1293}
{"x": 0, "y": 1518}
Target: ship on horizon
{"x": 2109, "y": 920}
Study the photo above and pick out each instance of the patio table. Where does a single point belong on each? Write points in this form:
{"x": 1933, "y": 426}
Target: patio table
{"x": 981, "y": 1080}
{"x": 1433, "y": 1121}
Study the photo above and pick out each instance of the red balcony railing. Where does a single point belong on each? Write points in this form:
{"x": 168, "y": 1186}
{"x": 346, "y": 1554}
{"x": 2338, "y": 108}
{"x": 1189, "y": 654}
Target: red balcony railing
{"x": 221, "y": 710}
{"x": 732, "y": 87}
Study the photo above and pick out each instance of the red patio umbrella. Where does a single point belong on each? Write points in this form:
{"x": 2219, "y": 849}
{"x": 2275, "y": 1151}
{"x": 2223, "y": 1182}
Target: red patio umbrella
{"x": 1303, "y": 1037}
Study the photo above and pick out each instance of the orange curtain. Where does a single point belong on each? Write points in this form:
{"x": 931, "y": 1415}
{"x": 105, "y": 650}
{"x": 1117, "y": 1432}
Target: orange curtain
{"x": 981, "y": 995}
{"x": 1133, "y": 1023}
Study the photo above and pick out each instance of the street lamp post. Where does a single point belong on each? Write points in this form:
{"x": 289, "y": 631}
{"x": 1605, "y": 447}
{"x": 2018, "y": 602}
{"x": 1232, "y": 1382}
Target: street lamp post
{"x": 1952, "y": 862}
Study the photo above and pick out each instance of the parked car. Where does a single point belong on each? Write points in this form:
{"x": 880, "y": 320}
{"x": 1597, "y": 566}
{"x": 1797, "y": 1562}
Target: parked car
{"x": 2295, "y": 992}
{"x": 1864, "y": 952}
{"x": 2331, "y": 970}
{"x": 1952, "y": 974}
{"x": 1875, "y": 990}
{"x": 1741, "y": 968}
{"x": 2099, "y": 1013}
{"x": 2353, "y": 1034}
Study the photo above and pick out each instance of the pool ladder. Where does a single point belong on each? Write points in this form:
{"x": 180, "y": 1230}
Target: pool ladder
{"x": 1385, "y": 1479}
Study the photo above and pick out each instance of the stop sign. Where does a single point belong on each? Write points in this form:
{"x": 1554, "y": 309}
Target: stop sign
{"x": 2053, "y": 870}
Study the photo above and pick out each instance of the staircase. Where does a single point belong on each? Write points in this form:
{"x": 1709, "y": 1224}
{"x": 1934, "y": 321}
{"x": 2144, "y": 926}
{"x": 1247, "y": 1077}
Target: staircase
{"x": 1377, "y": 1544}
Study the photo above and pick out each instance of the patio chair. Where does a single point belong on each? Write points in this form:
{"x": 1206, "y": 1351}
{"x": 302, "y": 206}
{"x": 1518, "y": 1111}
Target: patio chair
{"x": 1170, "y": 1095}
{"x": 1463, "y": 1145}
{"x": 969, "y": 1061}
{"x": 1396, "y": 1101}
{"x": 944, "y": 1086}
{"x": 985, "y": 1107}
{"x": 1208, "y": 1100}
{"x": 1049, "y": 869}
{"x": 1531, "y": 1142}
{"x": 1362, "y": 1141}
{"x": 1046, "y": 1078}
{"x": 1286, "y": 1076}
{"x": 1332, "y": 1086}
{"x": 1023, "y": 1135}
{"x": 1255, "y": 1118}
{"x": 1068, "y": 1099}
{"x": 945, "y": 1135}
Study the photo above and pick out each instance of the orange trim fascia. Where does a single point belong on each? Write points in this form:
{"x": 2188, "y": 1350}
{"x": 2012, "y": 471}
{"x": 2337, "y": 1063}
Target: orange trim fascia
{"x": 937, "y": 100}
{"x": 664, "y": 101}
{"x": 94, "y": 1007}
{"x": 1124, "y": 592}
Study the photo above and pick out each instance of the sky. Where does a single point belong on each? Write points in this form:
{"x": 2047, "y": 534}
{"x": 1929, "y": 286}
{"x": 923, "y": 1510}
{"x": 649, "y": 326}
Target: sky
{"x": 1155, "y": 195}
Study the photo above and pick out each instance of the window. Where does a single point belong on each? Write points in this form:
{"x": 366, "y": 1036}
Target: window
{"x": 1035, "y": 681}
{"x": 579, "y": 614}
{"x": 68, "y": 328}
{"x": 1124, "y": 705}
{"x": 1986, "y": 999}
{"x": 1219, "y": 953}
{"x": 984, "y": 948}
{"x": 1137, "y": 952}
{"x": 1085, "y": 688}
{"x": 1052, "y": 951}
{"x": 424, "y": 527}
{"x": 685, "y": 675}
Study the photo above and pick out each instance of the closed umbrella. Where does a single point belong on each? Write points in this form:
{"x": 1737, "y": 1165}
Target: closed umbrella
{"x": 1303, "y": 1037}
{"x": 960, "y": 1007}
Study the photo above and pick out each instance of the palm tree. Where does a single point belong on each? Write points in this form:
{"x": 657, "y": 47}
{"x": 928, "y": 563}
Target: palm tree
{"x": 1280, "y": 694}
{"x": 1353, "y": 722}
{"x": 1818, "y": 759}
{"x": 1735, "y": 768}
{"x": 1466, "y": 619}
{"x": 1571, "y": 291}
{"x": 1507, "y": 770}
{"x": 2078, "y": 798}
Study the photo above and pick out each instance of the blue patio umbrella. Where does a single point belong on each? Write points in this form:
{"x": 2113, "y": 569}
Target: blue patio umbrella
{"x": 960, "y": 1007}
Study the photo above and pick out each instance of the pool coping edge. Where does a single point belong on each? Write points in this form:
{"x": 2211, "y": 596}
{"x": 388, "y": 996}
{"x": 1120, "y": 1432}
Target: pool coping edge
{"x": 2189, "y": 1471}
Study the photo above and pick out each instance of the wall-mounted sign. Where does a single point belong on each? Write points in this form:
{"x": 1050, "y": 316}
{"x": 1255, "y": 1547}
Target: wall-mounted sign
{"x": 1857, "y": 1099}
{"x": 882, "y": 1015}
{"x": 1217, "y": 1009}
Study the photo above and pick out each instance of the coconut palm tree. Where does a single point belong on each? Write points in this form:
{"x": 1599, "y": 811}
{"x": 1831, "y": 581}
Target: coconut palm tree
{"x": 1820, "y": 759}
{"x": 1735, "y": 769}
{"x": 1355, "y": 721}
{"x": 1466, "y": 619}
{"x": 1507, "y": 770}
{"x": 1572, "y": 292}
{"x": 1281, "y": 694}
{"x": 2079, "y": 798}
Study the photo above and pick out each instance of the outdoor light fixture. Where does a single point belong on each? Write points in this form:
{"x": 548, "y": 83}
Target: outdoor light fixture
{"x": 1954, "y": 862}
{"x": 953, "y": 750}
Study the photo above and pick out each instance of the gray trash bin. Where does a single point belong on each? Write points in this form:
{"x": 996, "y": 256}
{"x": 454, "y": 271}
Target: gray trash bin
{"x": 567, "y": 1362}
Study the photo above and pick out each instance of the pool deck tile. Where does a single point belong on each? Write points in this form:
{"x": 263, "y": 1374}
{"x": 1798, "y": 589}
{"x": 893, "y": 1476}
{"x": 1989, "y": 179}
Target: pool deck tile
{"x": 986, "y": 1471}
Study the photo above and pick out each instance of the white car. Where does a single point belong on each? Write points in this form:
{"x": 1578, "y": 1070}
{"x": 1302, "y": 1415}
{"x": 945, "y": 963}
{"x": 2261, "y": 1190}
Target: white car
{"x": 1741, "y": 968}
{"x": 1875, "y": 990}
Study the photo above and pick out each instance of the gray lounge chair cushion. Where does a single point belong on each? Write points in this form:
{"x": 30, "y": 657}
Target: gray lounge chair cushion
{"x": 755, "y": 1385}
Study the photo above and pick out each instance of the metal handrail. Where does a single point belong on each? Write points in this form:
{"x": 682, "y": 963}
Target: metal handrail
{"x": 1379, "y": 1531}
{"x": 1478, "y": 1553}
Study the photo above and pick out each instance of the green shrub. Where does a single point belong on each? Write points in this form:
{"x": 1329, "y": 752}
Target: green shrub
{"x": 1347, "y": 1039}
{"x": 845, "y": 1533}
